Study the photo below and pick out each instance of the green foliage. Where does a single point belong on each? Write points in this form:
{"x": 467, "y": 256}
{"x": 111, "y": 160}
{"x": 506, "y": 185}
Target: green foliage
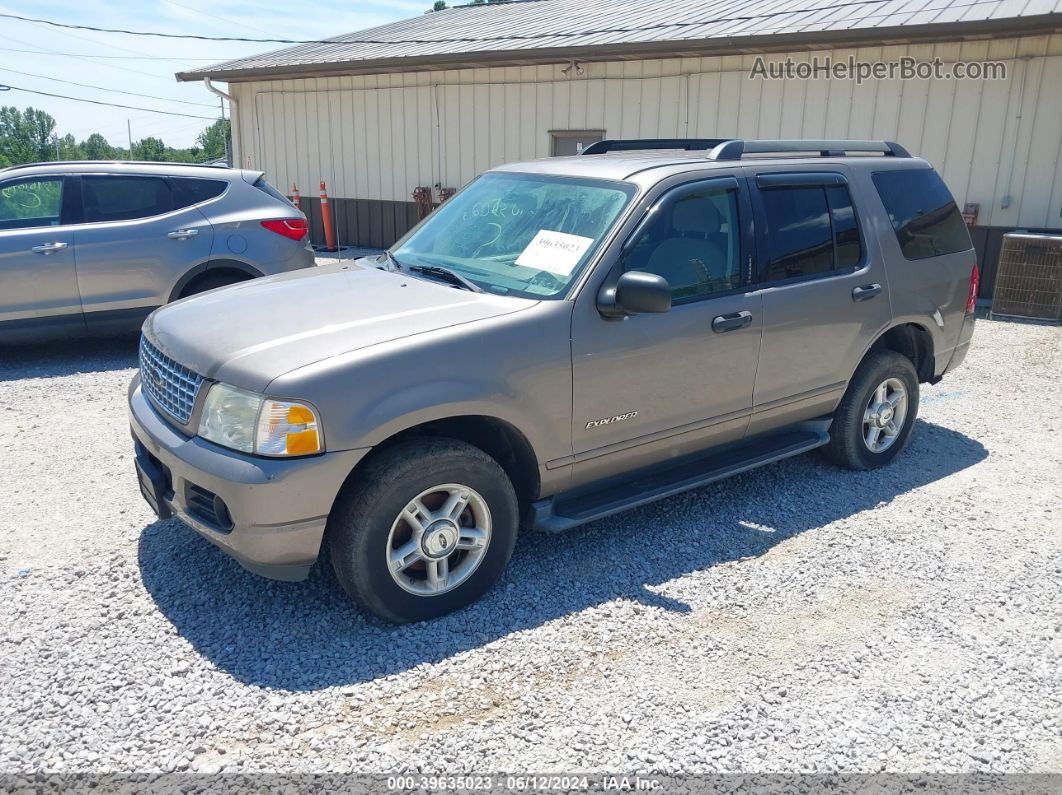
{"x": 213, "y": 139}
{"x": 439, "y": 5}
{"x": 149, "y": 149}
{"x": 95, "y": 147}
{"x": 25, "y": 137}
{"x": 29, "y": 137}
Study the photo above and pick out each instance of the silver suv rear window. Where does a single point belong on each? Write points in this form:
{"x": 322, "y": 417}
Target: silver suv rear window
{"x": 265, "y": 187}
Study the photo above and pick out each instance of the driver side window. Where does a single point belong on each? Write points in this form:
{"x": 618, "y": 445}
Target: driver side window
{"x": 694, "y": 243}
{"x": 31, "y": 202}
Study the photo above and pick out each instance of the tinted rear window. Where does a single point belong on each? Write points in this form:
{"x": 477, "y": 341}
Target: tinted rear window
{"x": 262, "y": 185}
{"x": 924, "y": 215}
{"x": 188, "y": 191}
{"x": 811, "y": 230}
{"x": 124, "y": 198}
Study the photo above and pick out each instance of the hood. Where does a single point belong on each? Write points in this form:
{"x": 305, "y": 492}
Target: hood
{"x": 250, "y": 333}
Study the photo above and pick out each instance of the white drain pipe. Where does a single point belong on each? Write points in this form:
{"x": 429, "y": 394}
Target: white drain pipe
{"x": 233, "y": 124}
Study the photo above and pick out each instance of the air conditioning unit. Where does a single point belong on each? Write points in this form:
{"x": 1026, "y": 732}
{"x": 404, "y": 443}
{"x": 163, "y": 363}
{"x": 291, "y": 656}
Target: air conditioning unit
{"x": 1029, "y": 277}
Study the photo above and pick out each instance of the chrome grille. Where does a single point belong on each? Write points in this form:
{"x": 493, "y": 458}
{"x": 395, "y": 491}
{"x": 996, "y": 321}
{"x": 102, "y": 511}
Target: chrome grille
{"x": 171, "y": 386}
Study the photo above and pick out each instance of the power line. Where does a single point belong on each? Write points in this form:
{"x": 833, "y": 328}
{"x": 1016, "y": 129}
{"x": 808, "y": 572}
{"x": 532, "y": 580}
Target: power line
{"x": 455, "y": 40}
{"x": 214, "y": 16}
{"x": 112, "y": 46}
{"x": 101, "y": 88}
{"x": 108, "y": 65}
{"x": 8, "y": 86}
{"x": 108, "y": 57}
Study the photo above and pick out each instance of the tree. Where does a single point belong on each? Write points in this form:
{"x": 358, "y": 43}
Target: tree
{"x": 214, "y": 140}
{"x": 95, "y": 147}
{"x": 439, "y": 5}
{"x": 25, "y": 137}
{"x": 68, "y": 148}
{"x": 149, "y": 149}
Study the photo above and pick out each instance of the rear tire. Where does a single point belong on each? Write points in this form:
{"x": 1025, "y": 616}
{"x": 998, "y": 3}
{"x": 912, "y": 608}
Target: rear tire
{"x": 876, "y": 415}
{"x": 212, "y": 282}
{"x": 401, "y": 552}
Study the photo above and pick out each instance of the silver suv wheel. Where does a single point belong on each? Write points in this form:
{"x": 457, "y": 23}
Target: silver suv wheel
{"x": 884, "y": 415}
{"x": 439, "y": 539}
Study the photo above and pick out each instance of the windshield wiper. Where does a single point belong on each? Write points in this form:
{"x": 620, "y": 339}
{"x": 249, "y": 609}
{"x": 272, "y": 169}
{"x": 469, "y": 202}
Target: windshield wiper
{"x": 453, "y": 277}
{"x": 391, "y": 260}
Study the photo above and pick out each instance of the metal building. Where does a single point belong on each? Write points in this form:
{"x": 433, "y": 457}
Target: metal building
{"x": 432, "y": 101}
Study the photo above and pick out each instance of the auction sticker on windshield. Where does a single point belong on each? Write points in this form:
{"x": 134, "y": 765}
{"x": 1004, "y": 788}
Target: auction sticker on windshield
{"x": 556, "y": 252}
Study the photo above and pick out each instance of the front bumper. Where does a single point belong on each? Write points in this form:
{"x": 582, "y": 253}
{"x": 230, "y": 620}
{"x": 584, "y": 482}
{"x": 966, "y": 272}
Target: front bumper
{"x": 269, "y": 514}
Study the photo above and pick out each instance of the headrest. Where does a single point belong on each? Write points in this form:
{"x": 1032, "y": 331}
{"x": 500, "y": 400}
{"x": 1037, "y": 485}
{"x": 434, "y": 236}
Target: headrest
{"x": 696, "y": 214}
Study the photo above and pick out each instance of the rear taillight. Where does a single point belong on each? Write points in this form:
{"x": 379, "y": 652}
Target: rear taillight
{"x": 294, "y": 228}
{"x": 971, "y": 299}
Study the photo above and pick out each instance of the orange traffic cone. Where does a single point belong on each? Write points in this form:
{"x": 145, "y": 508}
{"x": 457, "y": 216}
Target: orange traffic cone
{"x": 326, "y": 219}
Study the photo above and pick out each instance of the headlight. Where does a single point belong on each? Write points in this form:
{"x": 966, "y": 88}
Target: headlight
{"x": 251, "y": 423}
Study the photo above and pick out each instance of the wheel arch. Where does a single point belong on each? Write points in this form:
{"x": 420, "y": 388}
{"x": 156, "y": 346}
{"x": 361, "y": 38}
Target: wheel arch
{"x": 212, "y": 267}
{"x": 912, "y": 340}
{"x": 498, "y": 438}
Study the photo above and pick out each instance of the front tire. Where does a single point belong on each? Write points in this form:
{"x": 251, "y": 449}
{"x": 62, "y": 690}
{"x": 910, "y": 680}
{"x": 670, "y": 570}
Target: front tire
{"x": 425, "y": 528}
{"x": 876, "y": 415}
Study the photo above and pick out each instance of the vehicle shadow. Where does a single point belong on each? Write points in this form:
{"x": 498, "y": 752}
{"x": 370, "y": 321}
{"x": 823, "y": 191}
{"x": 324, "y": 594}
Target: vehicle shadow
{"x": 306, "y": 636}
{"x": 68, "y": 357}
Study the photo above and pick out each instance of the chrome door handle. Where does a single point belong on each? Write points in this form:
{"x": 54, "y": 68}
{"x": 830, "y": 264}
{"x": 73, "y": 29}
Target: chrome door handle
{"x": 49, "y": 248}
{"x": 182, "y": 234}
{"x": 866, "y": 292}
{"x": 731, "y": 322}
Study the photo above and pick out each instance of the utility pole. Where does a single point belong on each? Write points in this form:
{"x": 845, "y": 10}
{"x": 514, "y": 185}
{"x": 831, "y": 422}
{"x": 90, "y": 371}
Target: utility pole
{"x": 129, "y": 129}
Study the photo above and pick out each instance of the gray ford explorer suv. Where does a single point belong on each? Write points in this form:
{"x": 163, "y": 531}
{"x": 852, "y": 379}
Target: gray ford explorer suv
{"x": 94, "y": 247}
{"x": 562, "y": 340}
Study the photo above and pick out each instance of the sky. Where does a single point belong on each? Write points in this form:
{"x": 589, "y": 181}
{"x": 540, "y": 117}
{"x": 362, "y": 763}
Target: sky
{"x": 152, "y": 62}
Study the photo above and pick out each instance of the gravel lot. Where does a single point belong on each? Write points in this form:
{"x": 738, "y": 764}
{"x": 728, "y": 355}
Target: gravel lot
{"x": 798, "y": 618}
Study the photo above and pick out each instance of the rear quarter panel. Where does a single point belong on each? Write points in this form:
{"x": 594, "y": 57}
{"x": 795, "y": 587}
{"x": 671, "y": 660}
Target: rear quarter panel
{"x": 239, "y": 234}
{"x": 931, "y": 292}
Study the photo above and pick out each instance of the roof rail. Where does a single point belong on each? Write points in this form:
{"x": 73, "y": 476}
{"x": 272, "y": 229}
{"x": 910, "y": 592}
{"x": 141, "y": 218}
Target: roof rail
{"x": 733, "y": 150}
{"x": 632, "y": 144}
{"x": 112, "y": 163}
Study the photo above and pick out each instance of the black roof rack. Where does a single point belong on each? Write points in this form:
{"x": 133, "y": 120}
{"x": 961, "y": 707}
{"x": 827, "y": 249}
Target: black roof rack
{"x": 113, "y": 163}
{"x": 735, "y": 148}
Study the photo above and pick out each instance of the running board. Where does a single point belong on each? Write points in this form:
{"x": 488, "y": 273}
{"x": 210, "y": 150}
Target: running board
{"x": 556, "y": 514}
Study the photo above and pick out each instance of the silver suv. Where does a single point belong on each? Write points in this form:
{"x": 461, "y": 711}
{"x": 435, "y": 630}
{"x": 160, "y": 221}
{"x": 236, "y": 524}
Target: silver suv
{"x": 562, "y": 340}
{"x": 91, "y": 247}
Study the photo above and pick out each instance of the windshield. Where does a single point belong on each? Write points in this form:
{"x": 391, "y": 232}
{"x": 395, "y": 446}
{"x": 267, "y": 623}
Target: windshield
{"x": 518, "y": 234}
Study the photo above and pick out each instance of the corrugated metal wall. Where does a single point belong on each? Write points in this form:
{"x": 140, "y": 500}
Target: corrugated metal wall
{"x": 377, "y": 137}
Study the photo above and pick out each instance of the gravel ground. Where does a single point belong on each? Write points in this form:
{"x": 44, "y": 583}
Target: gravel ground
{"x": 797, "y": 618}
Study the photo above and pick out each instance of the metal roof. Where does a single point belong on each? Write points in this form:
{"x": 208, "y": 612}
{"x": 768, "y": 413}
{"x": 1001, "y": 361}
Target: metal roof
{"x": 540, "y": 31}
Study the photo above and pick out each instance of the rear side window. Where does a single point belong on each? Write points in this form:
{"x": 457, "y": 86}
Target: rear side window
{"x": 188, "y": 191}
{"x": 264, "y": 186}
{"x": 124, "y": 198}
{"x": 922, "y": 212}
{"x": 811, "y": 229}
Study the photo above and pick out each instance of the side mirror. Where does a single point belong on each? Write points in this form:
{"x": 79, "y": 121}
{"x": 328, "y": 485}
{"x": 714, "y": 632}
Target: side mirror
{"x": 635, "y": 293}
